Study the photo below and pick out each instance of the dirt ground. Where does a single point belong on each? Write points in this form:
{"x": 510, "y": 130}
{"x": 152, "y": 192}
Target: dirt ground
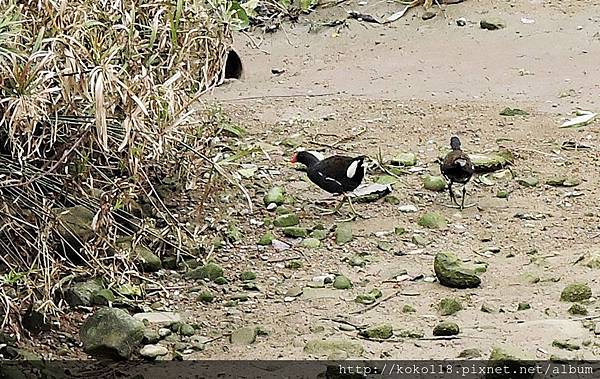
{"x": 409, "y": 86}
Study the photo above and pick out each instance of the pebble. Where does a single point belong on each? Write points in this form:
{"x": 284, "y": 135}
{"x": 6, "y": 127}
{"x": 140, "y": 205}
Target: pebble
{"x": 409, "y": 208}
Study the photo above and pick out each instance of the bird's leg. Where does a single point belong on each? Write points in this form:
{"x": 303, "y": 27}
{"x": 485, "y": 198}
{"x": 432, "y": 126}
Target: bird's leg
{"x": 335, "y": 210}
{"x": 464, "y": 194}
{"x": 452, "y": 197}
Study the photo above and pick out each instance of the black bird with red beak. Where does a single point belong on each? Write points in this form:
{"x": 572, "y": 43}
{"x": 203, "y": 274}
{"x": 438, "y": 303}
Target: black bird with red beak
{"x": 457, "y": 168}
{"x": 337, "y": 174}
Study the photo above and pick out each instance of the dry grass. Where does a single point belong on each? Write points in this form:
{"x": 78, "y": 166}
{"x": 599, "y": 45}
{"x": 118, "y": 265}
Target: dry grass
{"x": 95, "y": 109}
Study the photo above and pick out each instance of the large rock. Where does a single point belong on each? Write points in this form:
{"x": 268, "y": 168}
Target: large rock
{"x": 491, "y": 161}
{"x": 432, "y": 220}
{"x": 111, "y": 332}
{"x": 75, "y": 227}
{"x": 82, "y": 293}
{"x": 343, "y": 233}
{"x": 275, "y": 195}
{"x": 153, "y": 351}
{"x": 382, "y": 331}
{"x": 434, "y": 183}
{"x": 285, "y": 220}
{"x": 451, "y": 272}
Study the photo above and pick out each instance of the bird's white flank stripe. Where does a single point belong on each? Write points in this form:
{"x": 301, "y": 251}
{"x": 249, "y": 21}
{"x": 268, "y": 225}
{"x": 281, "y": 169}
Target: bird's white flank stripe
{"x": 317, "y": 155}
{"x": 352, "y": 169}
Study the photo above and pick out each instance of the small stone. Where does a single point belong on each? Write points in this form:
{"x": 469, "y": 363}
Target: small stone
{"x": 164, "y": 332}
{"x": 282, "y": 211}
{"x": 295, "y": 232}
{"x": 243, "y": 336}
{"x": 576, "y": 292}
{"x": 446, "y": 328}
{"x": 294, "y": 291}
{"x": 404, "y": 159}
{"x": 492, "y": 23}
{"x": 185, "y": 329}
{"x": 449, "y": 306}
{"x": 434, "y": 183}
{"x": 275, "y": 195}
{"x": 451, "y": 272}
{"x": 233, "y": 233}
{"x": 342, "y": 283}
{"x": 328, "y": 346}
{"x": 205, "y": 297}
{"x": 408, "y": 208}
{"x": 523, "y": 307}
{"x": 508, "y": 111}
{"x": 461, "y": 21}
{"x": 428, "y": 15}
{"x": 247, "y": 275}
{"x": 346, "y": 328}
{"x": 419, "y": 240}
{"x": 385, "y": 245}
{"x": 151, "y": 336}
{"x": 266, "y": 239}
{"x": 391, "y": 199}
{"x": 294, "y": 265}
{"x": 486, "y": 308}
{"x": 407, "y": 308}
{"x": 433, "y": 220}
{"x": 319, "y": 234}
{"x": 343, "y": 233}
{"x": 103, "y": 297}
{"x": 407, "y": 333}
{"x": 271, "y": 207}
{"x": 382, "y": 332}
{"x": 528, "y": 181}
{"x": 221, "y": 281}
{"x": 153, "y": 351}
{"x": 289, "y": 219}
{"x": 311, "y": 243}
{"x": 399, "y": 231}
{"x": 578, "y": 310}
{"x": 565, "y": 345}
{"x": 208, "y": 271}
{"x": 470, "y": 354}
{"x": 240, "y": 297}
{"x": 160, "y": 318}
{"x": 502, "y": 194}
{"x": 510, "y": 354}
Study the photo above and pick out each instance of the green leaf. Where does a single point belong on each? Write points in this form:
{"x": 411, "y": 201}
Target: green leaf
{"x": 306, "y": 5}
{"x": 240, "y": 14}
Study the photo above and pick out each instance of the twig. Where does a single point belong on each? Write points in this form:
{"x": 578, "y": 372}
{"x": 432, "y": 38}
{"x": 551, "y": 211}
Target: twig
{"x": 348, "y": 138}
{"x": 287, "y": 37}
{"x": 283, "y": 259}
{"x": 442, "y": 9}
{"x": 376, "y": 304}
{"x": 285, "y": 96}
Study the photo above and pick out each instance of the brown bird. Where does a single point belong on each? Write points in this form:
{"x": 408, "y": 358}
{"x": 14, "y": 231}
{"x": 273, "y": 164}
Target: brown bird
{"x": 457, "y": 168}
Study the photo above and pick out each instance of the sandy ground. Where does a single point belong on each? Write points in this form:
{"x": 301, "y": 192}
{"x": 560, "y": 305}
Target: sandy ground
{"x": 409, "y": 86}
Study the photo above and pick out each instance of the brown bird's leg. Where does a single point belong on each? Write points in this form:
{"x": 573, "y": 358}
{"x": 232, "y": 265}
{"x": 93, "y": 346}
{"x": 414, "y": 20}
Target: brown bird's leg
{"x": 464, "y": 194}
{"x": 452, "y": 197}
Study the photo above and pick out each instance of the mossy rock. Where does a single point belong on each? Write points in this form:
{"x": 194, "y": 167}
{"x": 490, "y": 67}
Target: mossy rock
{"x": 446, "y": 328}
{"x": 247, "y": 275}
{"x": 433, "y": 220}
{"x": 381, "y": 332}
{"x": 205, "y": 297}
{"x": 578, "y": 310}
{"x": 285, "y": 220}
{"x": 404, "y": 159}
{"x": 449, "y": 306}
{"x": 342, "y": 283}
{"x": 343, "y": 233}
{"x": 311, "y": 243}
{"x": 209, "y": 271}
{"x": 319, "y": 234}
{"x": 491, "y": 161}
{"x": 576, "y": 292}
{"x": 275, "y": 195}
{"x": 266, "y": 239}
{"x": 434, "y": 183}
{"x": 451, "y": 272}
{"x": 295, "y": 232}
{"x": 407, "y": 308}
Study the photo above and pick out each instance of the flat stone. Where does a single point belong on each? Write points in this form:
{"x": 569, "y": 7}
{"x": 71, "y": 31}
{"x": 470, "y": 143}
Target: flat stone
{"x": 153, "y": 351}
{"x": 158, "y": 317}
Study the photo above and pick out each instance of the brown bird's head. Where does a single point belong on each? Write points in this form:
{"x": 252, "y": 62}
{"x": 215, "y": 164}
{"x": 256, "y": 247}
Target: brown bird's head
{"x": 455, "y": 143}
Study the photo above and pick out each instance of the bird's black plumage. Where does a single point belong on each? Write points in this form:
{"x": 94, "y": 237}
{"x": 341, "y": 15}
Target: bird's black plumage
{"x": 337, "y": 174}
{"x": 457, "y": 168}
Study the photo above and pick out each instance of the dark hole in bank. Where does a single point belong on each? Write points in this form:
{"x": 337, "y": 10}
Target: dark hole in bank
{"x": 233, "y": 66}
